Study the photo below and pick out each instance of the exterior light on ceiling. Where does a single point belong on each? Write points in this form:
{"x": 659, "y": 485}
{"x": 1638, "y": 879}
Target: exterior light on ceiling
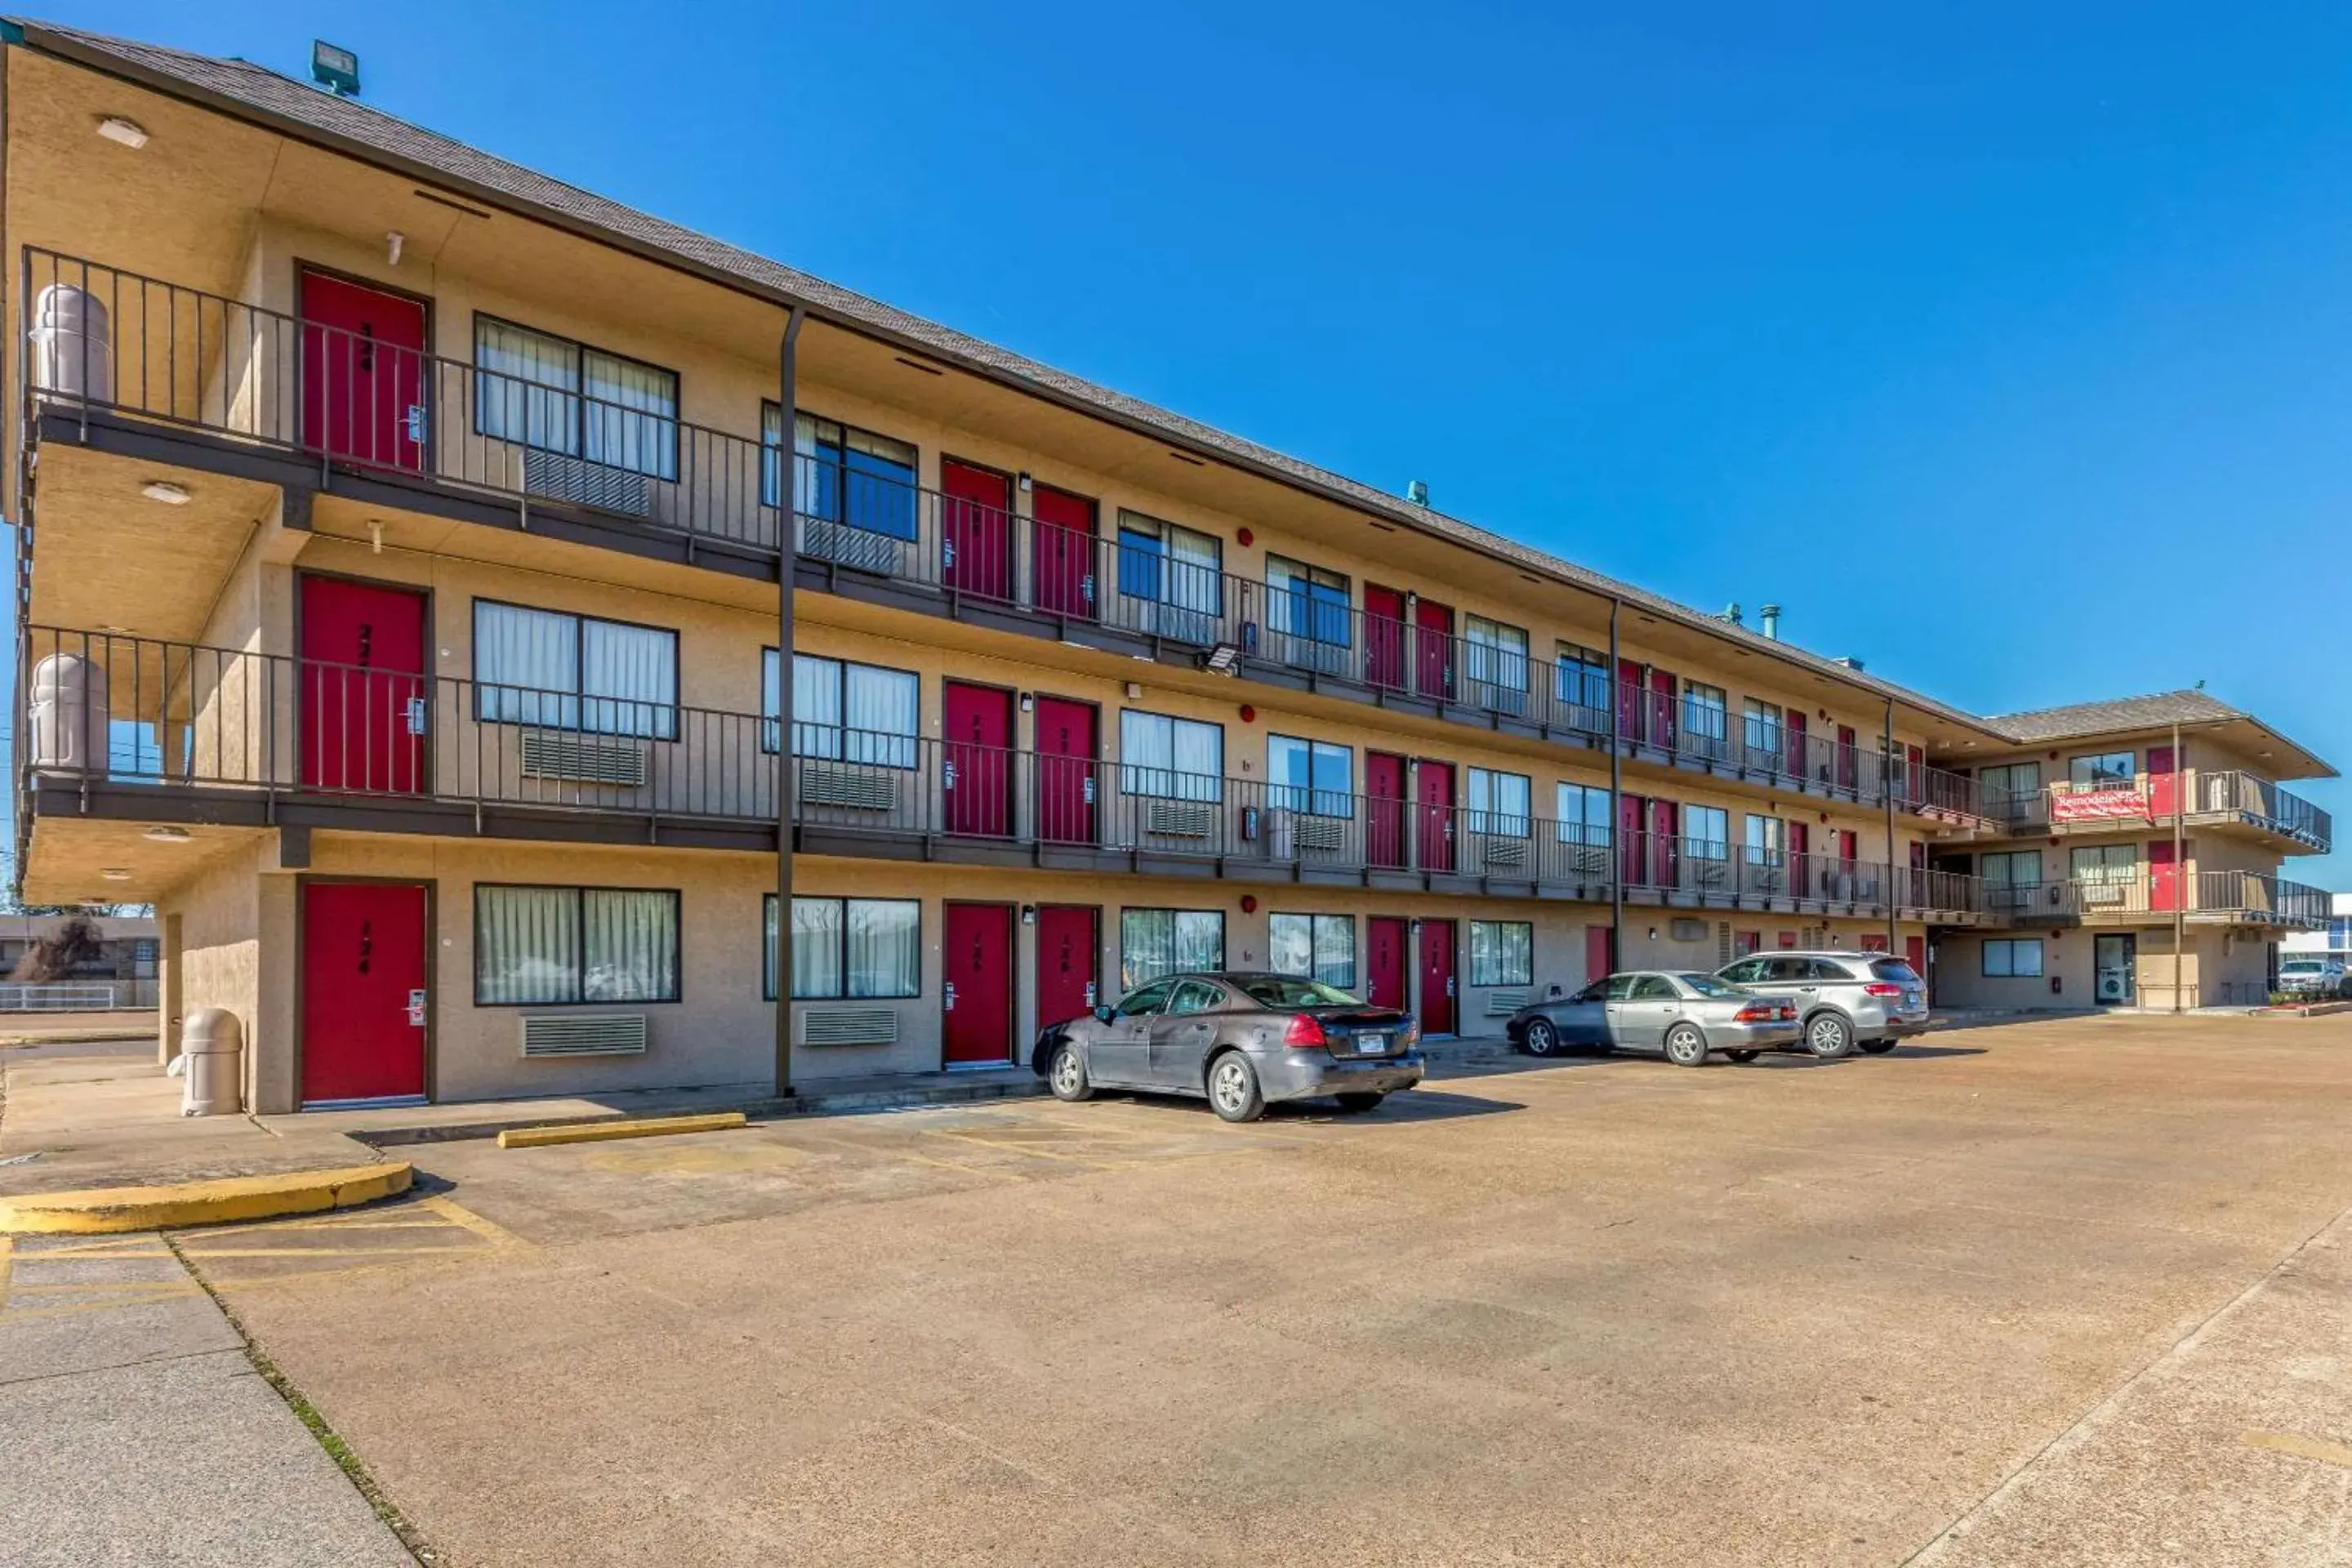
{"x": 168, "y": 835}
{"x": 115, "y": 874}
{"x": 167, "y": 492}
{"x": 130, "y": 132}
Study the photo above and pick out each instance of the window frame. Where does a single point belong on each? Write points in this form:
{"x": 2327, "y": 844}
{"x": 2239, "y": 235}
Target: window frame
{"x": 2011, "y": 946}
{"x": 581, "y": 349}
{"x": 1315, "y": 927}
{"x": 1128, "y": 771}
{"x": 1163, "y": 561}
{"x": 1281, "y": 795}
{"x": 1591, "y": 666}
{"x": 2099, "y": 779}
{"x": 1700, "y": 700}
{"x": 1583, "y": 828}
{"x": 579, "y": 892}
{"x": 1316, "y": 611}
{"x": 1497, "y": 654}
{"x": 771, "y": 471}
{"x": 773, "y": 938}
{"x": 1763, "y": 729}
{"x": 671, "y": 710}
{"x": 1224, "y": 937}
{"x": 1495, "y": 953}
{"x": 771, "y": 725}
{"x": 1491, "y": 820}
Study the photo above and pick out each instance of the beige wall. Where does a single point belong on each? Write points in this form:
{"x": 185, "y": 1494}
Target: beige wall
{"x": 2224, "y": 966}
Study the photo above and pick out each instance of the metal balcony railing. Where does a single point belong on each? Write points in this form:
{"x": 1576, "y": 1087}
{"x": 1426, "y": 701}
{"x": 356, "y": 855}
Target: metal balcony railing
{"x": 2251, "y": 897}
{"x": 2205, "y": 794}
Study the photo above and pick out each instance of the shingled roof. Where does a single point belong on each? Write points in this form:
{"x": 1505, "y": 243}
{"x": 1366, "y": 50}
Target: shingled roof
{"x": 2151, "y": 712}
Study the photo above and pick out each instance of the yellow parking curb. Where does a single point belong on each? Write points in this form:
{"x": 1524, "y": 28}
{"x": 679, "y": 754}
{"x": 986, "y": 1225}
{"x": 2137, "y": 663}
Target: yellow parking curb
{"x": 98, "y": 1211}
{"x": 596, "y": 1132}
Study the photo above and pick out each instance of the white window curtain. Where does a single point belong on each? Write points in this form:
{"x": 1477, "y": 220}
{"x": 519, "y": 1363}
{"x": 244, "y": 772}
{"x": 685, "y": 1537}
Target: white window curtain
{"x": 884, "y": 942}
{"x": 630, "y": 945}
{"x": 526, "y": 945}
{"x": 525, "y": 393}
{"x": 878, "y": 709}
{"x": 527, "y": 665}
{"x": 816, "y": 947}
{"x": 816, "y": 706}
{"x": 629, "y": 676}
{"x": 1193, "y": 567}
{"x": 630, "y": 414}
{"x": 1178, "y": 759}
{"x": 1502, "y": 952}
{"x": 1153, "y": 942}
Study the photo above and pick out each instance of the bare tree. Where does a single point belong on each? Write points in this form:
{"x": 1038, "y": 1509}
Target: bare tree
{"x": 75, "y": 941}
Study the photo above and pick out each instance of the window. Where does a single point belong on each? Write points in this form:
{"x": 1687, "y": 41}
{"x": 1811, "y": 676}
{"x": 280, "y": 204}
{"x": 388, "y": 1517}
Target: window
{"x": 550, "y": 945}
{"x": 574, "y": 672}
{"x": 1315, "y": 947}
{"x": 1759, "y": 730}
{"x": 1499, "y": 803}
{"x": 1744, "y": 943}
{"x": 1583, "y": 815}
{"x": 1306, "y": 602}
{"x": 1172, "y": 576}
{"x": 1196, "y": 996}
{"x": 847, "y": 713}
{"x": 1293, "y": 993}
{"x": 1312, "y": 776}
{"x": 846, "y": 475}
{"x": 2105, "y": 864}
{"x": 1768, "y": 840}
{"x": 1708, "y": 828}
{"x": 1502, "y": 952}
{"x": 2110, "y": 770}
{"x": 1651, "y": 988}
{"x": 1494, "y": 656}
{"x": 1581, "y": 680}
{"x": 2013, "y": 958}
{"x": 848, "y": 947}
{"x": 1177, "y": 759}
{"x": 2012, "y": 869}
{"x": 1153, "y": 942}
{"x": 556, "y": 395}
{"x": 1145, "y": 1002}
{"x": 1706, "y": 720}
{"x": 2010, "y": 781}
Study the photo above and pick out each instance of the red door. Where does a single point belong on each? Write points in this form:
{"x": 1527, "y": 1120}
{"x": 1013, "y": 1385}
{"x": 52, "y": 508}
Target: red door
{"x": 1792, "y": 740}
{"x": 1801, "y": 881}
{"x": 976, "y": 530}
{"x": 1662, "y": 709}
{"x": 1914, "y": 950}
{"x": 1062, "y": 539}
{"x": 362, "y": 677}
{"x": 1633, "y": 847}
{"x": 1916, "y": 777}
{"x": 1067, "y": 750}
{"x": 2163, "y": 876}
{"x": 976, "y": 1000}
{"x": 1384, "y": 637}
{"x": 1069, "y": 943}
{"x": 1848, "y": 769}
{"x": 1596, "y": 954}
{"x": 1433, "y": 802}
{"x": 1665, "y": 853}
{"x": 362, "y": 371}
{"x": 2163, "y": 783}
{"x": 1437, "y": 977}
{"x": 363, "y": 1000}
{"x": 1384, "y": 969}
{"x": 1433, "y": 640}
{"x": 1629, "y": 700}
{"x": 977, "y": 780}
{"x": 1384, "y": 810}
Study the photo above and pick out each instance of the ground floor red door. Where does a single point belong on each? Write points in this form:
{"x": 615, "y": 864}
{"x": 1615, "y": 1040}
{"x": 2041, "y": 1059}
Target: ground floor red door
{"x": 1063, "y": 547}
{"x": 362, "y": 700}
{"x": 1437, "y": 1009}
{"x": 1066, "y": 781}
{"x": 1915, "y": 948}
{"x": 2163, "y": 876}
{"x": 975, "y": 529}
{"x": 364, "y": 951}
{"x": 1384, "y": 637}
{"x": 1384, "y": 811}
{"x": 976, "y": 995}
{"x": 1386, "y": 977}
{"x": 1069, "y": 944}
{"x": 976, "y": 777}
{"x": 1596, "y": 946}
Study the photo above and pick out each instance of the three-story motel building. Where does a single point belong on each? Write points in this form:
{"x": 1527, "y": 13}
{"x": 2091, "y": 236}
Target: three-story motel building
{"x": 409, "y": 541}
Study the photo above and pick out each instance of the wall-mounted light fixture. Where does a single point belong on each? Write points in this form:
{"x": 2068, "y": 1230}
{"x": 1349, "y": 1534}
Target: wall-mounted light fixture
{"x": 1025, "y": 483}
{"x": 168, "y": 835}
{"x": 1028, "y": 914}
{"x": 1028, "y": 702}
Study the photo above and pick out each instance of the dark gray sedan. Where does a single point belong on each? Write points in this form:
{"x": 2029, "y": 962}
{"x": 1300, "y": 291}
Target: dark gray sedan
{"x": 1680, "y": 1013}
{"x": 1238, "y": 1040}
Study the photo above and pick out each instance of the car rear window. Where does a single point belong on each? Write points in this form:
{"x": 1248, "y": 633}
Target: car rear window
{"x": 1708, "y": 985}
{"x": 1894, "y": 969}
{"x": 2301, "y": 966}
{"x": 1275, "y": 992}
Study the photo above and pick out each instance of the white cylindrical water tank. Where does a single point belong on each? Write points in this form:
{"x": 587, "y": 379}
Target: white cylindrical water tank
{"x": 73, "y": 344}
{"x": 214, "y": 1043}
{"x": 68, "y": 702}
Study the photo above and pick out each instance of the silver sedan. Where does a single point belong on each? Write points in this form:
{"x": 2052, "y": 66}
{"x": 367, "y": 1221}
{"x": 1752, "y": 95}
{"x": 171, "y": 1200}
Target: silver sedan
{"x": 1683, "y": 1013}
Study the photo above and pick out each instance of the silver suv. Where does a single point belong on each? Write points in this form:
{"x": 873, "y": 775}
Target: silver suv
{"x": 1846, "y": 999}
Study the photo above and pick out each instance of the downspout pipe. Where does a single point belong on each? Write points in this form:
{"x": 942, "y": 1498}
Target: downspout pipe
{"x": 2180, "y": 883}
{"x": 1894, "y": 872}
{"x": 787, "y": 775}
{"x": 1616, "y": 798}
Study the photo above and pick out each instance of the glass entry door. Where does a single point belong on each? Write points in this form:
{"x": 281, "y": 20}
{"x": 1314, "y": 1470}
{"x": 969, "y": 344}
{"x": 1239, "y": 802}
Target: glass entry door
{"x": 2112, "y": 960}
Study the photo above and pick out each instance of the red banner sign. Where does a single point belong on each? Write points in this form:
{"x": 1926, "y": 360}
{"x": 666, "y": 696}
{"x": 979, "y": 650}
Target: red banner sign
{"x": 2098, "y": 806}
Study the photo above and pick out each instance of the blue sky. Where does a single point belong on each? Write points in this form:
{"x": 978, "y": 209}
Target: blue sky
{"x": 2008, "y": 347}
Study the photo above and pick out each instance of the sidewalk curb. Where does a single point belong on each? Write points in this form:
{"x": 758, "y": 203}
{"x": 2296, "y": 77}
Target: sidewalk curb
{"x": 637, "y": 1127}
{"x": 98, "y": 1211}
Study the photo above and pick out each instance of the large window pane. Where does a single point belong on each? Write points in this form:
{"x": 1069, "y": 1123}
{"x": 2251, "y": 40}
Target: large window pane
{"x": 630, "y": 414}
{"x": 630, "y": 941}
{"x": 526, "y": 945}
{"x": 628, "y": 678}
{"x": 526, "y": 665}
{"x": 1178, "y": 759}
{"x": 525, "y": 391}
{"x": 846, "y": 475}
{"x": 816, "y": 947}
{"x": 883, "y": 938}
{"x": 1502, "y": 952}
{"x": 1153, "y": 942}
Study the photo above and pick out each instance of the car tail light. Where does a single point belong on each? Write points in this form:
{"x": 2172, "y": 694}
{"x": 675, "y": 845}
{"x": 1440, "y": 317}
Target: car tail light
{"x": 1306, "y": 1034}
{"x": 1880, "y": 988}
{"x": 1757, "y": 1012}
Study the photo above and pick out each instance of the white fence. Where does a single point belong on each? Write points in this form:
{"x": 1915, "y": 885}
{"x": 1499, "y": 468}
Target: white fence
{"x": 76, "y": 995}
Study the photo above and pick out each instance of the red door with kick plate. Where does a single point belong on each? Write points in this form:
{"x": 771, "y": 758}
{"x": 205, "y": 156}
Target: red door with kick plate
{"x": 1792, "y": 740}
{"x": 1662, "y": 709}
{"x": 1433, "y": 803}
{"x": 1596, "y": 954}
{"x": 1069, "y": 944}
{"x": 1633, "y": 846}
{"x": 364, "y": 705}
{"x": 1630, "y": 706}
{"x": 1384, "y": 637}
{"x": 1802, "y": 883}
{"x": 1066, "y": 748}
{"x": 2163, "y": 876}
{"x": 1666, "y": 853}
{"x": 1385, "y": 976}
{"x": 1433, "y": 640}
{"x": 363, "y": 997}
{"x": 976, "y": 995}
{"x": 362, "y": 373}
{"x": 976, "y": 530}
{"x": 1384, "y": 810}
{"x": 1063, "y": 534}
{"x": 2163, "y": 783}
{"x": 977, "y": 779}
{"x": 1437, "y": 977}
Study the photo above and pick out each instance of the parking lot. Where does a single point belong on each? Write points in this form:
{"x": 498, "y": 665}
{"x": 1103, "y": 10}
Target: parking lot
{"x": 2069, "y": 1286}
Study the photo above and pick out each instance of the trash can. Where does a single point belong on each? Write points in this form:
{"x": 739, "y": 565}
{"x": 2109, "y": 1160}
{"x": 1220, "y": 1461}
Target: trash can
{"x": 69, "y": 708}
{"x": 212, "y": 1042}
{"x": 73, "y": 348}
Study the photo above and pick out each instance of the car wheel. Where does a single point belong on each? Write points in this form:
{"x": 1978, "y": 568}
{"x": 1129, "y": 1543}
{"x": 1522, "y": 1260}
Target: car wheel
{"x": 1542, "y": 1038}
{"x": 1233, "y": 1093}
{"x": 1877, "y": 1047}
{"x": 1685, "y": 1046}
{"x": 1065, "y": 1074}
{"x": 1356, "y": 1104}
{"x": 1828, "y": 1036}
{"x": 1743, "y": 1056}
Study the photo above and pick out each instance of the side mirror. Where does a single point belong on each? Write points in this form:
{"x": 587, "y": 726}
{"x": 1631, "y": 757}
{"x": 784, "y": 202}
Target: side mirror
{"x": 1104, "y": 1015}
